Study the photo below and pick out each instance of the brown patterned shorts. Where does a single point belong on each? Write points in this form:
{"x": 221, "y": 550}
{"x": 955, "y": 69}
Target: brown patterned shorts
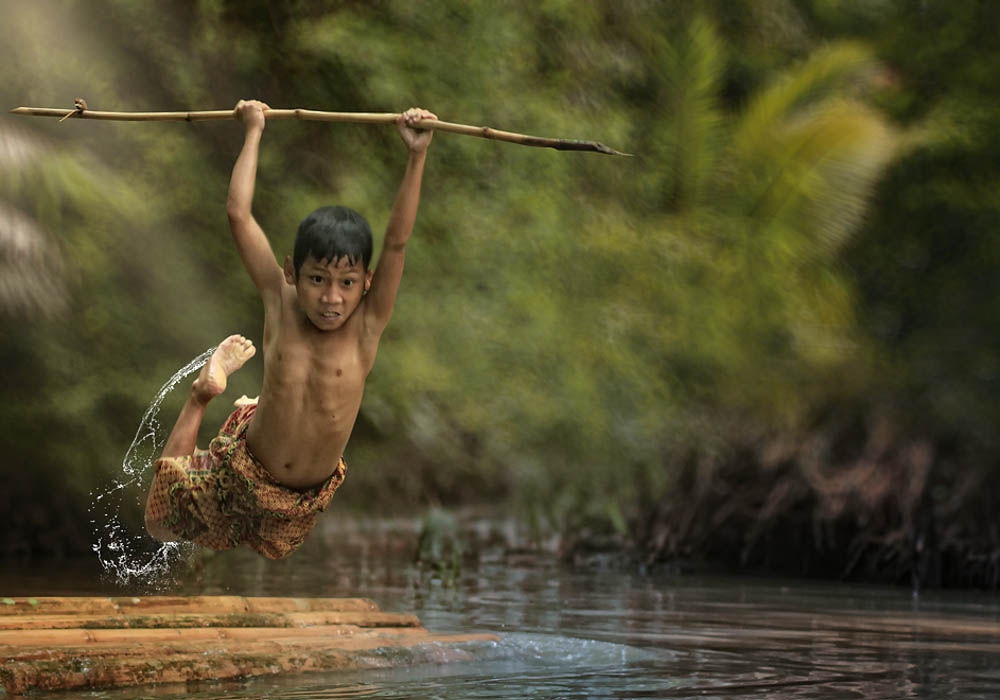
{"x": 223, "y": 497}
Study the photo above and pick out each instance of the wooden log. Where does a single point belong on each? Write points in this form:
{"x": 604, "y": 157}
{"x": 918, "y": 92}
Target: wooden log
{"x": 136, "y": 621}
{"x": 59, "y": 643}
{"x": 171, "y": 604}
{"x": 181, "y": 665}
{"x": 77, "y": 637}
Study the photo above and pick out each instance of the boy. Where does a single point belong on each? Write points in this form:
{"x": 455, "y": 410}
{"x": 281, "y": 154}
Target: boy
{"x": 278, "y": 460}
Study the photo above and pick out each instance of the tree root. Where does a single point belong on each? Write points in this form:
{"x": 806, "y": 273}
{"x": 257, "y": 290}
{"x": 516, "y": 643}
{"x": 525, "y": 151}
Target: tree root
{"x": 864, "y": 503}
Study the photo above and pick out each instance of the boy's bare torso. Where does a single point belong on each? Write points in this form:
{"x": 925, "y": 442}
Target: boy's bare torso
{"x": 322, "y": 317}
{"x": 311, "y": 394}
{"x": 324, "y": 312}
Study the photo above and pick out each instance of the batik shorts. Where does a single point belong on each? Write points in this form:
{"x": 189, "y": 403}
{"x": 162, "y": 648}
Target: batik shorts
{"x": 223, "y": 497}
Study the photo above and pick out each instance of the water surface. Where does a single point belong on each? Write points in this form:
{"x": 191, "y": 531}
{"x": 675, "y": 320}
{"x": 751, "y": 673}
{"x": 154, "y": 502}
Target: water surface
{"x": 592, "y": 632}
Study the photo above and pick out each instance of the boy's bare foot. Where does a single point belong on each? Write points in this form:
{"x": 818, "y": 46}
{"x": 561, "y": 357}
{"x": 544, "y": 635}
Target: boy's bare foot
{"x": 227, "y": 358}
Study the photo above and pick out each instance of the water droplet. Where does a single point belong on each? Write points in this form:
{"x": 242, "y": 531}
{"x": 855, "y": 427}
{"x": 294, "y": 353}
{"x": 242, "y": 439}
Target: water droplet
{"x": 123, "y": 554}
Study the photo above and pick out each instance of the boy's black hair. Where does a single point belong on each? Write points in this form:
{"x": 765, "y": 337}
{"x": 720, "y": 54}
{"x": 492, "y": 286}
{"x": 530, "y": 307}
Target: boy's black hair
{"x": 331, "y": 233}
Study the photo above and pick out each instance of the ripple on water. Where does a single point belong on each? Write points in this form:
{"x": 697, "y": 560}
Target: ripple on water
{"x": 518, "y": 665}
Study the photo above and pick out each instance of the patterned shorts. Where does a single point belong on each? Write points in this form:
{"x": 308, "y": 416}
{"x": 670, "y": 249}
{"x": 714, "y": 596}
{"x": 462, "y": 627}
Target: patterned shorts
{"x": 223, "y": 497}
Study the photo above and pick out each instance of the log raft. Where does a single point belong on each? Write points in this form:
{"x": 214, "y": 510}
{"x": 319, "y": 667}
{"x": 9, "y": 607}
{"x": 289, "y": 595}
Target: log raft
{"x": 73, "y": 642}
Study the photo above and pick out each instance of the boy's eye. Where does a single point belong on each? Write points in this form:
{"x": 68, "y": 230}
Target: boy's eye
{"x": 316, "y": 279}
{"x": 348, "y": 283}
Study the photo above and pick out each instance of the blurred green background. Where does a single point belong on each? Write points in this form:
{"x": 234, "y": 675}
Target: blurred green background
{"x": 767, "y": 341}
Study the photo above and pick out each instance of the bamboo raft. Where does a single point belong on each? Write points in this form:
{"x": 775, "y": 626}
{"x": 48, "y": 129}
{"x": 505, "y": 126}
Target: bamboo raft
{"x": 65, "y": 642}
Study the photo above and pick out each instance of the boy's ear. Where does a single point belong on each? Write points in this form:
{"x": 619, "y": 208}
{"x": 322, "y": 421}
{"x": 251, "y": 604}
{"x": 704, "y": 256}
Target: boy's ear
{"x": 289, "y": 270}
{"x": 368, "y": 280}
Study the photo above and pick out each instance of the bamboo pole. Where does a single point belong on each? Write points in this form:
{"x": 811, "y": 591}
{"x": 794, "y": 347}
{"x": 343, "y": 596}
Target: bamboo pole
{"x": 77, "y": 642}
{"x": 81, "y": 111}
{"x": 368, "y": 619}
{"x": 74, "y": 637}
{"x": 85, "y": 605}
{"x": 200, "y": 656}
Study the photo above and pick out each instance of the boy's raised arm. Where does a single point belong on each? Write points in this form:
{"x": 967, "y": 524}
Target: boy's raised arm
{"x": 389, "y": 272}
{"x": 251, "y": 242}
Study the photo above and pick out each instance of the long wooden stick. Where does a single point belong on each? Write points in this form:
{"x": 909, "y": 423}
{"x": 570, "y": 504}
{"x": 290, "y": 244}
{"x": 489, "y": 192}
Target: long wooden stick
{"x": 82, "y": 112}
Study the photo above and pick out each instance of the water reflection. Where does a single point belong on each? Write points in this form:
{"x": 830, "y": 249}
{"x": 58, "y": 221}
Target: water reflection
{"x": 572, "y": 633}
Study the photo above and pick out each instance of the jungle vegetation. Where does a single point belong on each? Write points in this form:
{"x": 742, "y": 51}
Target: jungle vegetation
{"x": 767, "y": 341}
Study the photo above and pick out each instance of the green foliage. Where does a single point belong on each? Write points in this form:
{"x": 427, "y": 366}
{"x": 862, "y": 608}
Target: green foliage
{"x": 570, "y": 325}
{"x": 926, "y": 259}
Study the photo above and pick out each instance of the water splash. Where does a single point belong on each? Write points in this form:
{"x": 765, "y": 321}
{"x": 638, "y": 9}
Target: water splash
{"x": 124, "y": 555}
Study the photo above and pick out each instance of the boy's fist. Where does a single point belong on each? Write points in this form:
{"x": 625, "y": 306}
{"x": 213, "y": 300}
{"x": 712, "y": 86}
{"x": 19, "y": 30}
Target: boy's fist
{"x": 416, "y": 140}
{"x": 251, "y": 113}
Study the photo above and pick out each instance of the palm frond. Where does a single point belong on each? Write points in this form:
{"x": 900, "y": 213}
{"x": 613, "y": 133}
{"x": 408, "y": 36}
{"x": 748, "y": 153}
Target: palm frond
{"x": 823, "y": 75}
{"x": 818, "y": 174}
{"x": 31, "y": 278}
{"x": 17, "y": 148}
{"x": 693, "y": 72}
{"x": 31, "y": 266}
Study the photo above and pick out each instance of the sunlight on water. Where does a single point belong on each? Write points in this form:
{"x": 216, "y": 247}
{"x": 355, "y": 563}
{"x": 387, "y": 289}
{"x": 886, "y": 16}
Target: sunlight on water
{"x": 125, "y": 555}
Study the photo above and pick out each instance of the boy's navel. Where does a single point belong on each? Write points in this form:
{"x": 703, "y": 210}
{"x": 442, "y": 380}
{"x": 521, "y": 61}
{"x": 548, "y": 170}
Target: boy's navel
{"x": 340, "y": 372}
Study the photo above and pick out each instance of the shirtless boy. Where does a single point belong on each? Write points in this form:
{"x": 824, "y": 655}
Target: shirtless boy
{"x": 277, "y": 461}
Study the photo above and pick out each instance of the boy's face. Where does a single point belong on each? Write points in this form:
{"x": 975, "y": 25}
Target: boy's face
{"x": 329, "y": 291}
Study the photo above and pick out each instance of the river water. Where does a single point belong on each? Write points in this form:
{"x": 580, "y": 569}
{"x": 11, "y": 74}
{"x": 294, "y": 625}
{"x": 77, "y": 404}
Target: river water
{"x": 589, "y": 631}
